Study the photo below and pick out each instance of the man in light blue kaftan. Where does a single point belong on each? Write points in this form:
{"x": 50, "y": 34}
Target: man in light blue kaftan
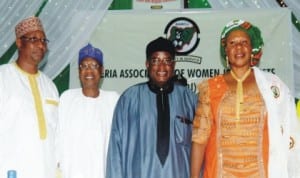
{"x": 135, "y": 147}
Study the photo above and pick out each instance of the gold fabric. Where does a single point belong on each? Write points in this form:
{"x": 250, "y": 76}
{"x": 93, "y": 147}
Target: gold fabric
{"x": 236, "y": 148}
{"x": 241, "y": 139}
{"x": 202, "y": 122}
{"x": 38, "y": 106}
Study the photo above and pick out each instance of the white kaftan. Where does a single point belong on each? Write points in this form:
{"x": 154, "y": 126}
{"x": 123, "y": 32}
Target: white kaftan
{"x": 28, "y": 116}
{"x": 83, "y": 133}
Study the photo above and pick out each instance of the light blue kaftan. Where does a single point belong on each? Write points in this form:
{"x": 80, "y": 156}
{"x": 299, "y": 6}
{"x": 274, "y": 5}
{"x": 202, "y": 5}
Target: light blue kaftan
{"x": 132, "y": 147}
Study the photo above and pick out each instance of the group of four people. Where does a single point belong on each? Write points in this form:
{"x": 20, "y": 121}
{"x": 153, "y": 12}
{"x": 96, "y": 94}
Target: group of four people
{"x": 241, "y": 124}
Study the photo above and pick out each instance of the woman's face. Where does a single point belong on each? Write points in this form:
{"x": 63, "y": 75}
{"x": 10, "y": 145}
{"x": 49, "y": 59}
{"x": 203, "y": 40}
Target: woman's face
{"x": 238, "y": 49}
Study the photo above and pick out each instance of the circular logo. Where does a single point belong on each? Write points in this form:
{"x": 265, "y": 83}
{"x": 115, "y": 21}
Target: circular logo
{"x": 183, "y": 33}
{"x": 276, "y": 91}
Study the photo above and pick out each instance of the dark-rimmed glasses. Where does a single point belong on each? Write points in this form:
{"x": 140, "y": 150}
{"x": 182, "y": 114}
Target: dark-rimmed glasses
{"x": 91, "y": 66}
{"x": 35, "y": 39}
{"x": 158, "y": 61}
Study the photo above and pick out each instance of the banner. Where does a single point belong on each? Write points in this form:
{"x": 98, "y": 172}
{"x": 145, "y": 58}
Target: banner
{"x": 123, "y": 36}
{"x": 157, "y": 4}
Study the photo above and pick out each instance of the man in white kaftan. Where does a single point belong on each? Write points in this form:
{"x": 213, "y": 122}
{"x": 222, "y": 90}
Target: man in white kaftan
{"x": 28, "y": 108}
{"x": 85, "y": 116}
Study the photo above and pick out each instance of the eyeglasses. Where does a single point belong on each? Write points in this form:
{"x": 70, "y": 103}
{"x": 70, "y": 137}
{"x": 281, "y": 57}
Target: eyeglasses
{"x": 164, "y": 61}
{"x": 91, "y": 66}
{"x": 35, "y": 39}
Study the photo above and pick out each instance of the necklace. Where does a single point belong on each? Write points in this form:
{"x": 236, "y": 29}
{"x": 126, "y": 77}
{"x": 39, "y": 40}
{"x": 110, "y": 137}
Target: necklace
{"x": 239, "y": 91}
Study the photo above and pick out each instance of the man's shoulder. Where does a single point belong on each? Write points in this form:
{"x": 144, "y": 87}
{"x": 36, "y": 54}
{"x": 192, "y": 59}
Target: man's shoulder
{"x": 9, "y": 71}
{"x": 47, "y": 80}
{"x": 133, "y": 91}
{"x": 5, "y": 67}
{"x": 70, "y": 92}
{"x": 135, "y": 88}
{"x": 183, "y": 89}
{"x": 109, "y": 94}
{"x": 45, "y": 77}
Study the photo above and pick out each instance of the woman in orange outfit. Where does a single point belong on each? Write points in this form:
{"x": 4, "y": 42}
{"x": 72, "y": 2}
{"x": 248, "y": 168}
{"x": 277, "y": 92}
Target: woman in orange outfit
{"x": 245, "y": 123}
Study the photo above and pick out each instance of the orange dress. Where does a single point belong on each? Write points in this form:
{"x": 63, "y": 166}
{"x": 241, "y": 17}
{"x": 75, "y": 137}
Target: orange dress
{"x": 234, "y": 147}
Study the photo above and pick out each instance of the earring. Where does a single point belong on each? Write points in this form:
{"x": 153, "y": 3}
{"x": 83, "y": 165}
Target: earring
{"x": 252, "y": 60}
{"x": 227, "y": 62}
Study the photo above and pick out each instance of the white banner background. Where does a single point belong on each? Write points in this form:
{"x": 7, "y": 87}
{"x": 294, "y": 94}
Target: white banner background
{"x": 123, "y": 36}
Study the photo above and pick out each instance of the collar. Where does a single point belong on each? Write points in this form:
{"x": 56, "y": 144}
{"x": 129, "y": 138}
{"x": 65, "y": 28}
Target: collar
{"x": 167, "y": 88}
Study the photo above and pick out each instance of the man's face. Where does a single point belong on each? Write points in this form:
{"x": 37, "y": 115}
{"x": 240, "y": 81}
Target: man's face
{"x": 90, "y": 73}
{"x": 32, "y": 47}
{"x": 160, "y": 67}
